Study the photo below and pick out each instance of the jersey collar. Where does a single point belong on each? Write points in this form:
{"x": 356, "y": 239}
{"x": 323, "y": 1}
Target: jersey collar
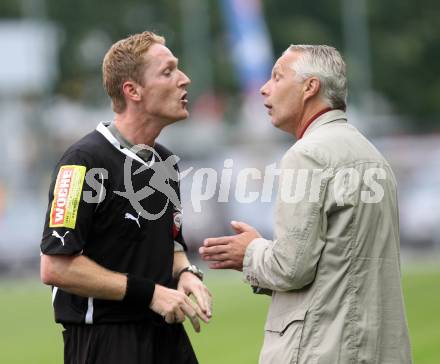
{"x": 103, "y": 129}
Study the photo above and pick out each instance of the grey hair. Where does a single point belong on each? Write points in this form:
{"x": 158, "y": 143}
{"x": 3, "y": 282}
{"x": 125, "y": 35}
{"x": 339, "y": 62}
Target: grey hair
{"x": 325, "y": 63}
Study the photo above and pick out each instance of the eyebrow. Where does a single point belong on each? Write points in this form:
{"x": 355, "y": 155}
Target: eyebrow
{"x": 276, "y": 69}
{"x": 172, "y": 62}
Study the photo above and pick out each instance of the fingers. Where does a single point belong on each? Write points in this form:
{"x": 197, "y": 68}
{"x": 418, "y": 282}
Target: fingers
{"x": 217, "y": 249}
{"x": 236, "y": 227}
{"x": 208, "y": 296}
{"x": 219, "y": 252}
{"x": 191, "y": 312}
{"x": 201, "y": 300}
{"x": 176, "y": 316}
{"x": 241, "y": 227}
{"x": 215, "y": 257}
{"x": 175, "y": 306}
{"x": 191, "y": 285}
{"x": 225, "y": 264}
{"x": 195, "y": 307}
{"x": 179, "y": 316}
{"x": 217, "y": 241}
{"x": 204, "y": 300}
{"x": 169, "y": 318}
{"x": 186, "y": 308}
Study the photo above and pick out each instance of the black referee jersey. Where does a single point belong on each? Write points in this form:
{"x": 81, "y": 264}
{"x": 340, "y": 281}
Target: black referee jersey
{"x": 125, "y": 221}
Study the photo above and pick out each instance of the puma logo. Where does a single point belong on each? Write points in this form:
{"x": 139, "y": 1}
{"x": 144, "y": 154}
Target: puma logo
{"x": 129, "y": 216}
{"x": 55, "y": 233}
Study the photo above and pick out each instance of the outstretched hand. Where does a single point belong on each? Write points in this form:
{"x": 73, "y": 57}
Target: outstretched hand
{"x": 227, "y": 252}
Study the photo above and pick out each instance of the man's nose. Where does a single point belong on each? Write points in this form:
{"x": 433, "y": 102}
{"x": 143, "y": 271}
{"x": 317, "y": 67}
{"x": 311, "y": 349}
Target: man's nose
{"x": 263, "y": 89}
{"x": 185, "y": 80}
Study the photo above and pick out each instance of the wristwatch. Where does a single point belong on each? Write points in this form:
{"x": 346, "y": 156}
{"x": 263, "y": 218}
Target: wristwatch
{"x": 192, "y": 269}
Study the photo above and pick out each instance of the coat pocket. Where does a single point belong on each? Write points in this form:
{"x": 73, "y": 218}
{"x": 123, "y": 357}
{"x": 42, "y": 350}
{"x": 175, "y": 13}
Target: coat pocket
{"x": 282, "y": 338}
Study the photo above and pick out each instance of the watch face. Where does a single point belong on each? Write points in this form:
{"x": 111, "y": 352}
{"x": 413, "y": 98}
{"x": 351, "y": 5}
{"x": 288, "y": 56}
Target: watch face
{"x": 195, "y": 270}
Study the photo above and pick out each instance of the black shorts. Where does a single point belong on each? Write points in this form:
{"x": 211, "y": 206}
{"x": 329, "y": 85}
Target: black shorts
{"x": 128, "y": 343}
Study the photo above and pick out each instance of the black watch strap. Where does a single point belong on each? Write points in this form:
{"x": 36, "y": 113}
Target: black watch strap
{"x": 192, "y": 269}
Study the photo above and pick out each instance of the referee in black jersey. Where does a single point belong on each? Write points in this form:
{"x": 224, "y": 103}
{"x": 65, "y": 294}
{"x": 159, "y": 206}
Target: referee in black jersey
{"x": 112, "y": 247}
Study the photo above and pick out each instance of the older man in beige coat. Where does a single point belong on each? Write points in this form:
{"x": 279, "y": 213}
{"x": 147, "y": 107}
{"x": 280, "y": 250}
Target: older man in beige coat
{"x": 333, "y": 268}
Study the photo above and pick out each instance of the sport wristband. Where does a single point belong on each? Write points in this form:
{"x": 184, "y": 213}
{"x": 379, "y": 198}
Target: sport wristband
{"x": 139, "y": 290}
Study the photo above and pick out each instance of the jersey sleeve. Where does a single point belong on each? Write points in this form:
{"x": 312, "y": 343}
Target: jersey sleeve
{"x": 69, "y": 216}
{"x": 170, "y": 169}
{"x": 179, "y": 241}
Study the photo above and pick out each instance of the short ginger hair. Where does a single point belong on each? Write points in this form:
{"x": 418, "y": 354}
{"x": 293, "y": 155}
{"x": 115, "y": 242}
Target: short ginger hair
{"x": 125, "y": 61}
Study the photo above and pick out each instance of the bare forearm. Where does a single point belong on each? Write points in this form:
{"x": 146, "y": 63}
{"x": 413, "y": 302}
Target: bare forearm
{"x": 180, "y": 261}
{"x": 82, "y": 276}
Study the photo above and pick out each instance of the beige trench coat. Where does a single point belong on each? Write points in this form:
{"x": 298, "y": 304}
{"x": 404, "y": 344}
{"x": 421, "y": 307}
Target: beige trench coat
{"x": 334, "y": 264}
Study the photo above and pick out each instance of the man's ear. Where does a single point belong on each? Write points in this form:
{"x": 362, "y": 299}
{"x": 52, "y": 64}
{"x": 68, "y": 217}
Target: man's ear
{"x": 312, "y": 86}
{"x": 131, "y": 90}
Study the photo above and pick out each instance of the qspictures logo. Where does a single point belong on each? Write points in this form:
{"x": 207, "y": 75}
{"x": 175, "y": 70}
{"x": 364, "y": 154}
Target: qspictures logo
{"x": 163, "y": 173}
{"x": 345, "y": 185}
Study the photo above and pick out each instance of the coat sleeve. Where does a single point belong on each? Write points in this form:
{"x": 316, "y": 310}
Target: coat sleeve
{"x": 289, "y": 262}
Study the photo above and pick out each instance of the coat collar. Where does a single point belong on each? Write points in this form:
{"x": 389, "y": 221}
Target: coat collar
{"x": 328, "y": 117}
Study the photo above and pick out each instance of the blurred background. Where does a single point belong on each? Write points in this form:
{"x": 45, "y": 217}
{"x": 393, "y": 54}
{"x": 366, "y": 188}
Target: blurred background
{"x": 51, "y": 95}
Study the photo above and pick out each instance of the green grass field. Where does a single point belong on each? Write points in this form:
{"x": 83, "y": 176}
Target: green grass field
{"x": 28, "y": 334}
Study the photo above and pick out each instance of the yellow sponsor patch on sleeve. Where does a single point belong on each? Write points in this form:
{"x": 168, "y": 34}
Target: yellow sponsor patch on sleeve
{"x": 67, "y": 196}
